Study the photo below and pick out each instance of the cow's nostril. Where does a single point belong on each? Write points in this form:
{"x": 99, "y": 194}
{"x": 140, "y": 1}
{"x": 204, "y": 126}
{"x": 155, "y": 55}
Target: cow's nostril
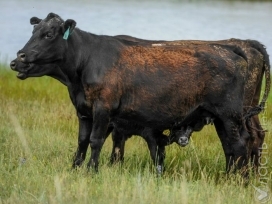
{"x": 21, "y": 56}
{"x": 12, "y": 65}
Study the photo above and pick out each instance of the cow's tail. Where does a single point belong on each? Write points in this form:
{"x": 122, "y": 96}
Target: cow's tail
{"x": 266, "y": 71}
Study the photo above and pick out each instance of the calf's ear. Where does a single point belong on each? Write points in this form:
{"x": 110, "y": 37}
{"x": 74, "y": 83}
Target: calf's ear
{"x": 35, "y": 20}
{"x": 68, "y": 28}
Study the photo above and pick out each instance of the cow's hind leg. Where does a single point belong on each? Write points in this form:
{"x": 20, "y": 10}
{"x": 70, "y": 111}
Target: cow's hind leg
{"x": 234, "y": 145}
{"x": 85, "y": 128}
{"x": 258, "y": 134}
{"x": 238, "y": 142}
{"x": 221, "y": 132}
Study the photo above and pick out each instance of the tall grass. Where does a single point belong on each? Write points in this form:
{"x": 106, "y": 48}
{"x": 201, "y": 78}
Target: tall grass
{"x": 38, "y": 137}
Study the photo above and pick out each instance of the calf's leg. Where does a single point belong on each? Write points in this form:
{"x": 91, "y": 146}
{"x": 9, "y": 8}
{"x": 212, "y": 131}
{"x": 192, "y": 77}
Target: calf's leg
{"x": 118, "y": 148}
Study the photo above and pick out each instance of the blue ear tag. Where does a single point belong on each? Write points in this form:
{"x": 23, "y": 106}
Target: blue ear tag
{"x": 66, "y": 34}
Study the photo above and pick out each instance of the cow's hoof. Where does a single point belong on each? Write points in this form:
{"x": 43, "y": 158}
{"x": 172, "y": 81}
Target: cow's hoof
{"x": 159, "y": 170}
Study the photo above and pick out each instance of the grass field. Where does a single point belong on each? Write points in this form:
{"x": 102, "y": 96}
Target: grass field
{"x": 38, "y": 137}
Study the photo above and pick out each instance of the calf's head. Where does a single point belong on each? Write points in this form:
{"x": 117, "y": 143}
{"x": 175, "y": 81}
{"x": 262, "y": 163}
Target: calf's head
{"x": 48, "y": 42}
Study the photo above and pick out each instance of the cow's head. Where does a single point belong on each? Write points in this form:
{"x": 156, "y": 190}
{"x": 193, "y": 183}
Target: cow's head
{"x": 34, "y": 70}
{"x": 48, "y": 42}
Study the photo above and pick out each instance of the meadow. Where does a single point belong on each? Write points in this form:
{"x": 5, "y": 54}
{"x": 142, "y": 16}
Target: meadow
{"x": 38, "y": 137}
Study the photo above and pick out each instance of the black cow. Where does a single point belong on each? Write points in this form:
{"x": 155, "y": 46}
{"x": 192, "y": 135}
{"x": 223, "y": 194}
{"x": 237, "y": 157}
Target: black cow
{"x": 147, "y": 85}
{"x": 121, "y": 129}
{"x": 258, "y": 66}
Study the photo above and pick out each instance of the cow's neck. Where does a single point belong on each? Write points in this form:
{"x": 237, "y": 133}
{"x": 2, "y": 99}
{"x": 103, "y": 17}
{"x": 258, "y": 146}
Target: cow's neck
{"x": 76, "y": 55}
{"x": 59, "y": 75}
{"x": 83, "y": 48}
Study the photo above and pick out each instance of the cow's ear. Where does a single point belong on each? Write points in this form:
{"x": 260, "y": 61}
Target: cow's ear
{"x": 35, "y": 20}
{"x": 71, "y": 24}
{"x": 68, "y": 28}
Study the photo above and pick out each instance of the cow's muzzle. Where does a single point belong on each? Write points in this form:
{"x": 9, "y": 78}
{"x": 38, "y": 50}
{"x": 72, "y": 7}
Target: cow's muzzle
{"x": 13, "y": 65}
{"x": 22, "y": 70}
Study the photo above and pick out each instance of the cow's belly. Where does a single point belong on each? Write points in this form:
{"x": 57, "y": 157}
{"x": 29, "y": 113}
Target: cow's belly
{"x": 157, "y": 112}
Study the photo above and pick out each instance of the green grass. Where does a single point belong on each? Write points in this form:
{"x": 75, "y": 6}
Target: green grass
{"x": 38, "y": 137}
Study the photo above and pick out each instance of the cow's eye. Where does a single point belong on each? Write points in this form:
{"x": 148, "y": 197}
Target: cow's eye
{"x": 49, "y": 36}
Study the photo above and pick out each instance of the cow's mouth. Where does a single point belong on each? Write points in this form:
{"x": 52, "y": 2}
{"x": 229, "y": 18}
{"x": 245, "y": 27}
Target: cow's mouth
{"x": 23, "y": 75}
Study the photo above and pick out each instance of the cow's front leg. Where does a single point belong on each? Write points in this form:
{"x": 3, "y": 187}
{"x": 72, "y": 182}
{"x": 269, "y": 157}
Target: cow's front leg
{"x": 85, "y": 129}
{"x": 98, "y": 135}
